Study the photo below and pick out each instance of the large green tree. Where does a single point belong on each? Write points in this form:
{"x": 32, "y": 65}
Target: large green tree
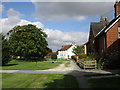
{"x": 28, "y": 41}
{"x": 5, "y": 50}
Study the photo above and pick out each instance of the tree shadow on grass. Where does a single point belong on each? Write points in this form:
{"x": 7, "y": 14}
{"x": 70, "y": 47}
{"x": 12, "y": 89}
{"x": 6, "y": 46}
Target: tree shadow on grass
{"x": 10, "y": 65}
{"x": 67, "y": 82}
{"x": 84, "y": 77}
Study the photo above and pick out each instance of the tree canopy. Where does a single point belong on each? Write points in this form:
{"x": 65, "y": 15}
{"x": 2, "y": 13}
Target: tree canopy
{"x": 78, "y": 50}
{"x": 5, "y": 50}
{"x": 28, "y": 41}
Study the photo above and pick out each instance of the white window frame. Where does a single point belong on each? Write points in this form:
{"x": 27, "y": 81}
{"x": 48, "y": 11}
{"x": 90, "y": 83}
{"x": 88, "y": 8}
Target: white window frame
{"x": 118, "y": 32}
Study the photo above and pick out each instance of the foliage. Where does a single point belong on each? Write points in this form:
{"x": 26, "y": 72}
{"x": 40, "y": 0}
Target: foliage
{"x": 93, "y": 55}
{"x": 100, "y": 61}
{"x": 5, "y": 50}
{"x": 88, "y": 58}
{"x": 28, "y": 41}
{"x": 82, "y": 56}
{"x": 73, "y": 57}
{"x": 78, "y": 50}
{"x": 112, "y": 61}
{"x": 49, "y": 50}
{"x": 54, "y": 56}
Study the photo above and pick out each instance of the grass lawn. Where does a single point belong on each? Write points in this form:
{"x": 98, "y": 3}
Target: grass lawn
{"x": 23, "y": 65}
{"x": 97, "y": 75}
{"x": 108, "y": 82}
{"x": 67, "y": 64}
{"x": 63, "y": 60}
{"x": 14, "y": 80}
{"x": 111, "y": 82}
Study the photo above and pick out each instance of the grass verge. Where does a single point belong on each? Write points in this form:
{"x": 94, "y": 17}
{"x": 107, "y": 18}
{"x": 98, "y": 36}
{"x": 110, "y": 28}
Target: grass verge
{"x": 105, "y": 82}
{"x": 67, "y": 64}
{"x": 23, "y": 65}
{"x": 14, "y": 80}
{"x": 111, "y": 82}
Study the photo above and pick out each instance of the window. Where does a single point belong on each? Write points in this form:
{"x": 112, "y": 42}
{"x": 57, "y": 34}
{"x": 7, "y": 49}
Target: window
{"x": 119, "y": 32}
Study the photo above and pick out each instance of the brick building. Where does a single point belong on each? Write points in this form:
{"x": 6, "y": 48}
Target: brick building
{"x": 104, "y": 36}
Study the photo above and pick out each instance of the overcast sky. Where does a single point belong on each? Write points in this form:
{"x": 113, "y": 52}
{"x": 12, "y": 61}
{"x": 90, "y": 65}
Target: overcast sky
{"x": 64, "y": 22}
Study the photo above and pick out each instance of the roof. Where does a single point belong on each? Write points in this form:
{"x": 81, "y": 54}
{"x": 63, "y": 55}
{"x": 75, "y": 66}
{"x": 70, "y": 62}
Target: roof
{"x": 115, "y": 20}
{"x": 111, "y": 23}
{"x": 49, "y": 54}
{"x": 86, "y": 43}
{"x": 65, "y": 48}
{"x": 96, "y": 27}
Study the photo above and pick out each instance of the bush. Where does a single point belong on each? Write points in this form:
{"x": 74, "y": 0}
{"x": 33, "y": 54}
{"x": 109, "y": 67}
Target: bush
{"x": 100, "y": 63}
{"x": 93, "y": 55}
{"x": 88, "y": 58}
{"x": 101, "y": 60}
{"x": 73, "y": 57}
{"x": 54, "y": 56}
{"x": 82, "y": 56}
{"x": 112, "y": 61}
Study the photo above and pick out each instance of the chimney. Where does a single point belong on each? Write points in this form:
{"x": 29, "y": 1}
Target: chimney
{"x": 117, "y": 8}
{"x": 73, "y": 43}
{"x": 103, "y": 19}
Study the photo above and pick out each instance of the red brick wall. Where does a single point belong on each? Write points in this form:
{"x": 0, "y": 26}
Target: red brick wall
{"x": 101, "y": 44}
{"x": 112, "y": 38}
{"x": 119, "y": 24}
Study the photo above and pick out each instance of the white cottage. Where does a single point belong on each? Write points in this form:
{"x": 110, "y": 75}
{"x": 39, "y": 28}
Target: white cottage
{"x": 66, "y": 51}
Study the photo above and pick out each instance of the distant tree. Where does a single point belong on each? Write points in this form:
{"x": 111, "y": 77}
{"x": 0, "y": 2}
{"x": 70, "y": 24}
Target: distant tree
{"x": 5, "y": 50}
{"x": 28, "y": 41}
{"x": 54, "y": 56}
{"x": 49, "y": 50}
{"x": 78, "y": 50}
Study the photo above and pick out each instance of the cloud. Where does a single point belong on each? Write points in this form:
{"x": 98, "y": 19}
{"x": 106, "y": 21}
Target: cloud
{"x": 1, "y": 8}
{"x": 59, "y": 1}
{"x": 73, "y": 0}
{"x": 14, "y": 18}
{"x": 70, "y": 10}
{"x": 25, "y": 22}
{"x": 57, "y": 38}
{"x": 6, "y": 27}
{"x": 11, "y": 21}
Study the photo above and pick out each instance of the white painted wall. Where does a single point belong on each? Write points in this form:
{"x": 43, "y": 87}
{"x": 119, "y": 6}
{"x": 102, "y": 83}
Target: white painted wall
{"x": 85, "y": 49}
{"x": 67, "y": 53}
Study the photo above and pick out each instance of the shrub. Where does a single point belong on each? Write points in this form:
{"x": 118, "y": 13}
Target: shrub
{"x": 88, "y": 58}
{"x": 82, "y": 56}
{"x": 73, "y": 57}
{"x": 78, "y": 50}
{"x": 101, "y": 61}
{"x": 54, "y": 56}
{"x": 93, "y": 55}
{"x": 112, "y": 61}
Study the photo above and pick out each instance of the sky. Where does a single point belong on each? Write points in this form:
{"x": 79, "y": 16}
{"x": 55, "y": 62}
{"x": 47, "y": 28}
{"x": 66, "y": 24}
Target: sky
{"x": 64, "y": 22}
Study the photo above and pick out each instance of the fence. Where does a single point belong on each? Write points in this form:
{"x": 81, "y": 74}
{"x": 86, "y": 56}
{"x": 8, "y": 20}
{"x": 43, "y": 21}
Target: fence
{"x": 88, "y": 64}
